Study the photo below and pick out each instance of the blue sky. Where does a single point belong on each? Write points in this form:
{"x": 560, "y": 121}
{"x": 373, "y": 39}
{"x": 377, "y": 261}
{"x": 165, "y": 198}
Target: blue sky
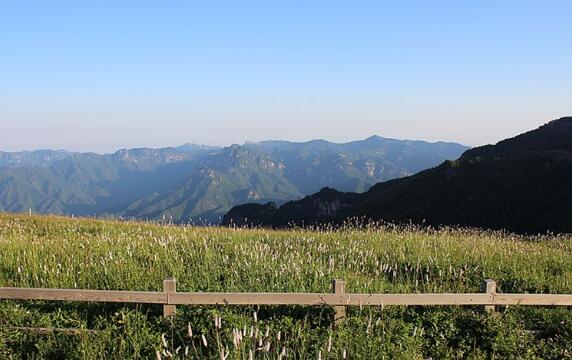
{"x": 108, "y": 74}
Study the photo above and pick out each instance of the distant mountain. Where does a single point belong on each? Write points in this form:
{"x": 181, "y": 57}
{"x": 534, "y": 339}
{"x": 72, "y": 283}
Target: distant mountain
{"x": 523, "y": 184}
{"x": 199, "y": 183}
{"x": 93, "y": 184}
{"x": 32, "y": 158}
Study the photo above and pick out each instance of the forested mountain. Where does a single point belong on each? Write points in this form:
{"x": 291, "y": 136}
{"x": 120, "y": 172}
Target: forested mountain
{"x": 32, "y": 158}
{"x": 200, "y": 183}
{"x": 522, "y": 184}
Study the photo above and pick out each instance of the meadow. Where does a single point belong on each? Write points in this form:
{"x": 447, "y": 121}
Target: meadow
{"x": 60, "y": 252}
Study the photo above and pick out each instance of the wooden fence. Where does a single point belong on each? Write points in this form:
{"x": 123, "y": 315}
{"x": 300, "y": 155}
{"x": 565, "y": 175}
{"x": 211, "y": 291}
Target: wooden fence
{"x": 487, "y": 299}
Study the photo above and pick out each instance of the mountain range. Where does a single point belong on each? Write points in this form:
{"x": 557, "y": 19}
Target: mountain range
{"x": 199, "y": 184}
{"x": 522, "y": 184}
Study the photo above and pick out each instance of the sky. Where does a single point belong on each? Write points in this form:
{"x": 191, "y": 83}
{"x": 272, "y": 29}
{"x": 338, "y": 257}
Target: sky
{"x": 102, "y": 75}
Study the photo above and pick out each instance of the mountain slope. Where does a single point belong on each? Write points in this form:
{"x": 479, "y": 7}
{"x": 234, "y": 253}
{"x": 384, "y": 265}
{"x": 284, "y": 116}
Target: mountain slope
{"x": 32, "y": 158}
{"x": 523, "y": 184}
{"x": 200, "y": 184}
{"x": 91, "y": 184}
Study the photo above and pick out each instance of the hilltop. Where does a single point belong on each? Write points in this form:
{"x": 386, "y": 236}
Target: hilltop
{"x": 59, "y": 252}
{"x": 199, "y": 184}
{"x": 522, "y": 184}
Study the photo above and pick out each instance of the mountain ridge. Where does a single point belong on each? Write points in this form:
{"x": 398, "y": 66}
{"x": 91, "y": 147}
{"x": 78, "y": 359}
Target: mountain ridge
{"x": 200, "y": 183}
{"x": 521, "y": 184}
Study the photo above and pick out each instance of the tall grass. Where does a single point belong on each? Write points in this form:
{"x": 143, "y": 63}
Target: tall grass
{"x": 92, "y": 254}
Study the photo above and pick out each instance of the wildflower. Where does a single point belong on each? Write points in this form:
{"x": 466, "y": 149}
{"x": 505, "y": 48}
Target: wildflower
{"x": 204, "y": 340}
{"x": 236, "y": 338}
{"x": 368, "y": 325}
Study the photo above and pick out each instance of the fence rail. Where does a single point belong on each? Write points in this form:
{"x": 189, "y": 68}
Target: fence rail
{"x": 339, "y": 299}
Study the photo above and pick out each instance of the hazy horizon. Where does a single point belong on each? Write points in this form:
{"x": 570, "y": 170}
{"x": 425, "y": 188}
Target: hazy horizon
{"x": 341, "y": 140}
{"x": 107, "y": 75}
{"x": 227, "y": 145}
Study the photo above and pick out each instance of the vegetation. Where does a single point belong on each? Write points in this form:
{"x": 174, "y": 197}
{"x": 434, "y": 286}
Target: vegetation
{"x": 199, "y": 183}
{"x": 520, "y": 184}
{"x": 94, "y": 254}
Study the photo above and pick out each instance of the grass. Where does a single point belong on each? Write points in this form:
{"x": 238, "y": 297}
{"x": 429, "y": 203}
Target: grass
{"x": 94, "y": 254}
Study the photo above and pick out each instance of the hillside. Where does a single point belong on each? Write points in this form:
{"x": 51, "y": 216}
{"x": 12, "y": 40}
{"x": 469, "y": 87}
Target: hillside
{"x": 521, "y": 184}
{"x": 58, "y": 252}
{"x": 32, "y": 158}
{"x": 200, "y": 184}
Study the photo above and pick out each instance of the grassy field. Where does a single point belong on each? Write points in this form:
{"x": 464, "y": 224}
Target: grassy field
{"x": 93, "y": 254}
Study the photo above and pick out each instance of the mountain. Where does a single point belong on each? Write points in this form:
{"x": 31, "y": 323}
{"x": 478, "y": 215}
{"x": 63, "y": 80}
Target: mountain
{"x": 32, "y": 158}
{"x": 200, "y": 183}
{"x": 522, "y": 184}
{"x": 93, "y": 184}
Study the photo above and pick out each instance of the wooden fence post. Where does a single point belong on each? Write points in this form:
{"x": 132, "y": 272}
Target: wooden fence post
{"x": 169, "y": 287}
{"x": 488, "y": 286}
{"x": 339, "y": 287}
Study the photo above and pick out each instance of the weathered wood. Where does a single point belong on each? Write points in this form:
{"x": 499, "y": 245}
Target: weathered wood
{"x": 317, "y": 299}
{"x": 141, "y": 297}
{"x": 339, "y": 287}
{"x": 489, "y": 286}
{"x": 169, "y": 288}
{"x": 532, "y": 299}
{"x": 169, "y": 297}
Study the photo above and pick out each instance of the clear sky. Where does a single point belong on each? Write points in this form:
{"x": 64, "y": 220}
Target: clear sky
{"x": 101, "y": 75}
